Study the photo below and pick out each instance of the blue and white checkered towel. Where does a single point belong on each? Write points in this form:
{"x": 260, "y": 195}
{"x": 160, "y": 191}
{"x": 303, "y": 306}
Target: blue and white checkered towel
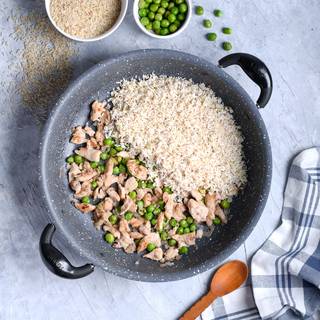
{"x": 285, "y": 271}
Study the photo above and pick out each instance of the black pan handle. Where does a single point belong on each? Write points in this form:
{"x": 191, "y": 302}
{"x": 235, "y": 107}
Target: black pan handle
{"x": 256, "y": 71}
{"x": 56, "y": 261}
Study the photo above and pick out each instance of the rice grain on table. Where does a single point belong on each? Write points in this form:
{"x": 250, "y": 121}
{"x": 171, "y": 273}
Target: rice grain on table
{"x": 85, "y": 18}
{"x": 184, "y": 129}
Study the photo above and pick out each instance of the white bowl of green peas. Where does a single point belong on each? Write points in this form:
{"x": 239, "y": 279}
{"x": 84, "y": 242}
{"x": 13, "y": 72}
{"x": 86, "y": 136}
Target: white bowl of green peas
{"x": 162, "y": 19}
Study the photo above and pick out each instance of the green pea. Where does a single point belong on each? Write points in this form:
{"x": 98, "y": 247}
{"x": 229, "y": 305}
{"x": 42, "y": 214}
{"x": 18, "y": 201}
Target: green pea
{"x": 225, "y": 204}
{"x": 190, "y": 220}
{"x": 164, "y": 4}
{"x": 78, "y": 159}
{"x": 144, "y": 21}
{"x": 128, "y": 215}
{"x": 142, "y": 184}
{"x": 179, "y": 1}
{"x": 167, "y": 13}
{"x": 216, "y": 220}
{"x": 142, "y": 12}
{"x": 156, "y": 31}
{"x": 161, "y": 205}
{"x": 183, "y": 8}
{"x": 94, "y": 165}
{"x": 199, "y": 10}
{"x": 193, "y": 227}
{"x": 140, "y": 204}
{"x": 183, "y": 223}
{"x": 151, "y": 208}
{"x": 171, "y": 5}
{"x": 150, "y": 185}
{"x": 227, "y": 46}
{"x": 218, "y": 13}
{"x": 118, "y": 148}
{"x": 165, "y": 23}
{"x": 109, "y": 237}
{"x": 132, "y": 195}
{"x": 142, "y": 4}
{"x": 173, "y": 222}
{"x": 177, "y": 23}
{"x": 211, "y": 36}
{"x": 183, "y": 250}
{"x": 85, "y": 200}
{"x": 116, "y": 171}
{"x": 154, "y": 221}
{"x": 171, "y": 18}
{"x": 167, "y": 190}
{"x": 94, "y": 185}
{"x": 149, "y": 26}
{"x": 186, "y": 230}
{"x": 108, "y": 142}
{"x": 101, "y": 168}
{"x": 122, "y": 168}
{"x": 172, "y": 242}
{"x": 180, "y": 230}
{"x": 148, "y": 1}
{"x": 156, "y": 211}
{"x": 158, "y": 17}
{"x": 104, "y": 156}
{"x": 181, "y": 17}
{"x": 113, "y": 219}
{"x": 207, "y": 23}
{"x": 227, "y": 30}
{"x": 161, "y": 10}
{"x": 148, "y": 216}
{"x": 151, "y": 15}
{"x": 70, "y": 159}
{"x": 175, "y": 11}
{"x": 154, "y": 7}
{"x": 173, "y": 28}
{"x": 156, "y": 1}
{"x": 164, "y": 235}
{"x": 151, "y": 247}
{"x": 117, "y": 209}
{"x": 113, "y": 151}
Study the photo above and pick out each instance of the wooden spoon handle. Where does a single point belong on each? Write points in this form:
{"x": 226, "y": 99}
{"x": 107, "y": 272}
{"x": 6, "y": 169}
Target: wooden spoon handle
{"x": 199, "y": 307}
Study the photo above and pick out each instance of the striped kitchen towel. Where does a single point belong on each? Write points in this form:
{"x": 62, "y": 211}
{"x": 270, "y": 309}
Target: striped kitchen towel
{"x": 285, "y": 271}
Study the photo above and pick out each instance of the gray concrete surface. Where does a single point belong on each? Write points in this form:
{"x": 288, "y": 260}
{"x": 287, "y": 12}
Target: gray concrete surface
{"x": 285, "y": 34}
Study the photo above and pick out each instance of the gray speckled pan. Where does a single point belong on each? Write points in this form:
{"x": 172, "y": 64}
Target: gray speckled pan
{"x": 72, "y": 109}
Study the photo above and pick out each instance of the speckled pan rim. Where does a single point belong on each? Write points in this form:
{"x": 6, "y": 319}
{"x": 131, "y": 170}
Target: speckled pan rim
{"x": 211, "y": 262}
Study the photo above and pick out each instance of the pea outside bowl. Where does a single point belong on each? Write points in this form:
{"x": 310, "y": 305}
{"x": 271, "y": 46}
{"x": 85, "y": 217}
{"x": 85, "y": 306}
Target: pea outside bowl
{"x": 124, "y": 7}
{"x": 151, "y": 33}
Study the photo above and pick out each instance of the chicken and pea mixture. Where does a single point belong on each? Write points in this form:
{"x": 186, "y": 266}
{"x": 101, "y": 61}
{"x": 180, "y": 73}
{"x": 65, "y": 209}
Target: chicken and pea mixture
{"x": 148, "y": 189}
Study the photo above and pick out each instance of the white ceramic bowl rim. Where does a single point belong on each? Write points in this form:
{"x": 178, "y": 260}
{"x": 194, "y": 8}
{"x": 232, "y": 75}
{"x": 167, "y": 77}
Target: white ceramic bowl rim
{"x": 124, "y": 7}
{"x": 151, "y": 34}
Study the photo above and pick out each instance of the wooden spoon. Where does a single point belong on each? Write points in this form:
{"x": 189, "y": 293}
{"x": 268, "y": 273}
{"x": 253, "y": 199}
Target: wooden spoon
{"x": 228, "y": 278}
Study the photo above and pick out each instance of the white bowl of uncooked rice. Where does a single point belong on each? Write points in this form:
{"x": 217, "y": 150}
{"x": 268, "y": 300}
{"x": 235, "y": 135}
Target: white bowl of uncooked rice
{"x": 86, "y": 20}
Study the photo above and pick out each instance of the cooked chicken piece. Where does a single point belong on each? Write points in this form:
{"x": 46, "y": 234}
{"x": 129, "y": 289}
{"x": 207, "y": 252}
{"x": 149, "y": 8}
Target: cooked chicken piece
{"x": 196, "y": 195}
{"x": 178, "y": 210}
{"x": 169, "y": 207}
{"x": 137, "y": 170}
{"x": 84, "y": 207}
{"x": 160, "y": 221}
{"x": 123, "y": 154}
{"x": 197, "y": 210}
{"x": 98, "y": 193}
{"x": 86, "y": 175}
{"x": 141, "y": 193}
{"x": 108, "y": 178}
{"x": 121, "y": 191}
{"x": 99, "y": 135}
{"x": 89, "y": 154}
{"x": 156, "y": 254}
{"x": 211, "y": 200}
{"x": 145, "y": 228}
{"x": 93, "y": 144}
{"x": 124, "y": 226}
{"x": 158, "y": 192}
{"x": 128, "y": 205}
{"x": 136, "y": 235}
{"x": 153, "y": 237}
{"x": 97, "y": 110}
{"x": 85, "y": 190}
{"x": 171, "y": 254}
{"x": 220, "y": 213}
{"x": 136, "y": 223}
{"x": 131, "y": 248}
{"x": 78, "y": 135}
{"x": 75, "y": 185}
{"x": 122, "y": 178}
{"x": 89, "y": 131}
{"x": 127, "y": 243}
{"x": 173, "y": 231}
{"x": 100, "y": 217}
{"x": 147, "y": 199}
{"x": 73, "y": 171}
{"x": 188, "y": 239}
{"x": 199, "y": 234}
{"x": 111, "y": 192}
{"x": 107, "y": 204}
{"x": 110, "y": 228}
{"x": 131, "y": 184}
